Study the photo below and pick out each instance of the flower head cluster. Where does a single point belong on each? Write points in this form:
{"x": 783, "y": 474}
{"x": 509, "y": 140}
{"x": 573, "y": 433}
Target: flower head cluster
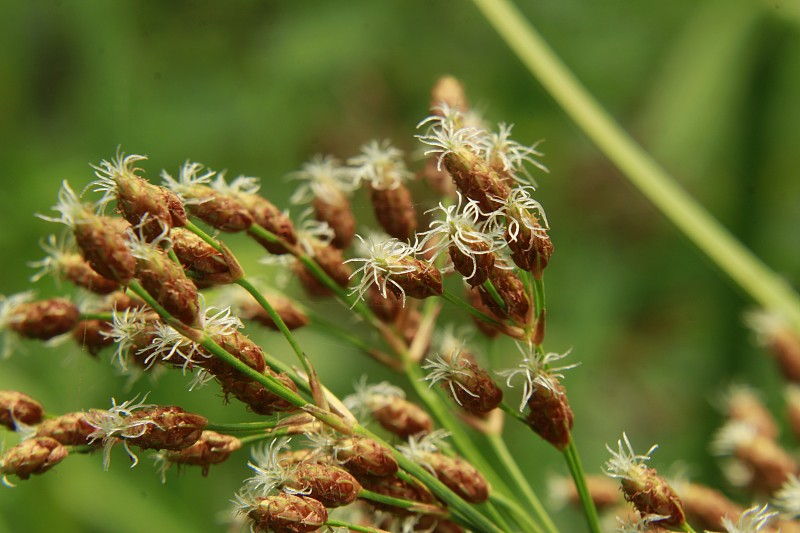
{"x": 537, "y": 371}
{"x": 510, "y": 156}
{"x": 452, "y": 370}
{"x": 381, "y": 165}
{"x": 322, "y": 177}
{"x": 118, "y": 424}
{"x": 523, "y": 212}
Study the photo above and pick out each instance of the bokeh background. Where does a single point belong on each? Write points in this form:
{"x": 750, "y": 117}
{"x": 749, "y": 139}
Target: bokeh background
{"x": 710, "y": 87}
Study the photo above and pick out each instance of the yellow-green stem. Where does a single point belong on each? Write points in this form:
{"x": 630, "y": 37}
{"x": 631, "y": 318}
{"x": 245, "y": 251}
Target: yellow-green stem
{"x": 579, "y": 477}
{"x": 740, "y": 264}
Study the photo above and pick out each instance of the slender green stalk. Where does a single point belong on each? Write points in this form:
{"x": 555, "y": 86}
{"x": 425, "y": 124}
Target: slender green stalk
{"x": 242, "y": 426}
{"x": 500, "y": 448}
{"x": 414, "y": 507}
{"x": 490, "y": 288}
{"x": 276, "y": 318}
{"x": 687, "y": 528}
{"x": 744, "y": 268}
{"x": 539, "y": 300}
{"x": 105, "y": 317}
{"x": 579, "y": 477}
{"x": 352, "y": 527}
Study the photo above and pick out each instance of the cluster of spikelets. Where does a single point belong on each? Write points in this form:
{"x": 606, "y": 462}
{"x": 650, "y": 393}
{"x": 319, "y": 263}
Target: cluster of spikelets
{"x": 146, "y": 270}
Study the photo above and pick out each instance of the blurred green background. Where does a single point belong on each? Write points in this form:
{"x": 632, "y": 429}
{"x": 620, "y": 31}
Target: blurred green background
{"x": 710, "y": 87}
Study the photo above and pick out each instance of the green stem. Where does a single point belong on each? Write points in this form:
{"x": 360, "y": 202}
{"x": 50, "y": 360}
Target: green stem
{"x": 105, "y": 317}
{"x": 276, "y": 318}
{"x": 414, "y": 507}
{"x": 500, "y": 448}
{"x": 539, "y": 301}
{"x": 579, "y": 477}
{"x": 740, "y": 264}
{"x": 490, "y": 288}
{"x": 352, "y": 527}
{"x": 242, "y": 426}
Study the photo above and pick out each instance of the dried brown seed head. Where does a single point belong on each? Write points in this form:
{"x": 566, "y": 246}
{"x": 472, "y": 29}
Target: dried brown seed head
{"x": 331, "y": 485}
{"x": 365, "y": 457}
{"x": 43, "y": 319}
{"x": 469, "y": 384}
{"x": 394, "y": 211}
{"x": 513, "y": 294}
{"x": 31, "y": 457}
{"x": 170, "y": 428}
{"x": 550, "y": 415}
{"x": 16, "y": 407}
{"x": 287, "y": 513}
{"x": 64, "y": 262}
{"x": 210, "y": 449}
{"x": 93, "y": 335}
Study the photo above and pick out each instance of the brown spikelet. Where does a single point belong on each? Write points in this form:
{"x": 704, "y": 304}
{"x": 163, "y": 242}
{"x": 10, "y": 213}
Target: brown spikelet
{"x": 210, "y": 449}
{"x": 394, "y": 211}
{"x": 31, "y": 457}
{"x": 167, "y": 283}
{"x": 70, "y": 429}
{"x": 550, "y": 414}
{"x": 459, "y": 476}
{"x": 18, "y": 407}
{"x": 89, "y": 334}
{"x": 102, "y": 243}
{"x": 44, "y": 319}
{"x": 530, "y": 250}
{"x": 288, "y": 513}
{"x": 120, "y": 301}
{"x": 329, "y": 484}
{"x": 137, "y": 198}
{"x": 475, "y": 267}
{"x": 240, "y": 346}
{"x": 272, "y": 219}
{"x": 218, "y": 210}
{"x": 172, "y": 429}
{"x": 205, "y": 264}
{"x": 336, "y": 211}
{"x": 402, "y": 418}
{"x": 365, "y": 457}
{"x": 512, "y": 292}
{"x": 259, "y": 399}
{"x": 742, "y": 404}
{"x": 468, "y": 384}
{"x": 652, "y": 495}
{"x": 422, "y": 282}
{"x": 78, "y": 271}
{"x": 477, "y": 181}
{"x": 388, "y": 308}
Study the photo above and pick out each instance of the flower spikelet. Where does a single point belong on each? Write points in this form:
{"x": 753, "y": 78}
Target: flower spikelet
{"x": 391, "y": 266}
{"x": 463, "y": 232}
{"x": 382, "y": 167}
{"x": 70, "y": 429}
{"x": 64, "y": 262}
{"x": 30, "y": 457}
{"x": 118, "y": 424}
{"x": 326, "y": 183}
{"x": 469, "y": 384}
{"x": 18, "y": 408}
{"x": 387, "y": 404}
{"x": 119, "y": 180}
{"x": 650, "y": 494}
{"x": 211, "y": 448}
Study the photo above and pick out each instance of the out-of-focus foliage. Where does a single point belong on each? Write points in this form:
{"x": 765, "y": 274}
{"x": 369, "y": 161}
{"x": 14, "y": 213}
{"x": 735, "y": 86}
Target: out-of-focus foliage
{"x": 711, "y": 87}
